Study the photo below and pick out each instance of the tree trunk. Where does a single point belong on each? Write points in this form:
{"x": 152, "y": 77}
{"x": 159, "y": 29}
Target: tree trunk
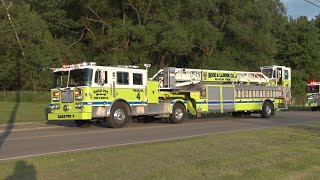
{"x": 14, "y": 28}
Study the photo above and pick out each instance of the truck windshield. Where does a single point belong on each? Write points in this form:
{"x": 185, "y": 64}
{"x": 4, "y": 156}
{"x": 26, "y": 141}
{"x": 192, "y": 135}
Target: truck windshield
{"x": 78, "y": 77}
{"x": 267, "y": 72}
{"x": 313, "y": 88}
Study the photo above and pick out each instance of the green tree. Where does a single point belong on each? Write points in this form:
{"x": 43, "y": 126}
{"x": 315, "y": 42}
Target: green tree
{"x": 299, "y": 44}
{"x": 40, "y": 50}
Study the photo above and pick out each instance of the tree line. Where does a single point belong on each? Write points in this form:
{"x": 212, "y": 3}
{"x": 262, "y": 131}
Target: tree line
{"x": 211, "y": 34}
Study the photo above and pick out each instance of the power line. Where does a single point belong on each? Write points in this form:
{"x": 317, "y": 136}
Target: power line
{"x": 312, "y": 3}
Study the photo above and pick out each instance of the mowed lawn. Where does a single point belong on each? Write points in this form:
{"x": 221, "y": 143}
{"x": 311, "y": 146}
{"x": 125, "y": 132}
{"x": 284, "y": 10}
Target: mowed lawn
{"x": 291, "y": 152}
{"x": 11, "y": 112}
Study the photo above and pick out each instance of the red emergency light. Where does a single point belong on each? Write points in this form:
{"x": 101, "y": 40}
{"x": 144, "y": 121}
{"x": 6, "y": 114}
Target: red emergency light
{"x": 312, "y": 82}
{"x": 64, "y": 66}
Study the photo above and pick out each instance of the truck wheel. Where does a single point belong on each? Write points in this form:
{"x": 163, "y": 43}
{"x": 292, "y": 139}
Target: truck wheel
{"x": 83, "y": 123}
{"x": 267, "y": 110}
{"x": 118, "y": 116}
{"x": 314, "y": 108}
{"x": 237, "y": 114}
{"x": 178, "y": 114}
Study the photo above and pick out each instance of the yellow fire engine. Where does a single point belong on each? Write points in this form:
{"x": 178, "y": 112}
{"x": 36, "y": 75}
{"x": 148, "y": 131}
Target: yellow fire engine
{"x": 86, "y": 93}
{"x": 313, "y": 95}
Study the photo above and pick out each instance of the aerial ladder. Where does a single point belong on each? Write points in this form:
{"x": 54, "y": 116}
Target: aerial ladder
{"x": 247, "y": 84}
{"x": 171, "y": 77}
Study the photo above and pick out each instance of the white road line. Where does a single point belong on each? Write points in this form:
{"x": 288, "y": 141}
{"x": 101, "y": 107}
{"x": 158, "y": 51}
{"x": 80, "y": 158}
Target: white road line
{"x": 149, "y": 141}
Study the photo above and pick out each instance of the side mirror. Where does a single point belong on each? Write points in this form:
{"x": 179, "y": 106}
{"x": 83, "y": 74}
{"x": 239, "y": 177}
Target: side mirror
{"x": 101, "y": 82}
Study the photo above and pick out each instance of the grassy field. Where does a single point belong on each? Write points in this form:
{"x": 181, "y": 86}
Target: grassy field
{"x": 12, "y": 112}
{"x": 25, "y": 96}
{"x": 280, "y": 153}
{"x": 23, "y": 106}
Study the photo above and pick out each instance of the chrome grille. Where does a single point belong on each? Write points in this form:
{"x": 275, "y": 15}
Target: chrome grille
{"x": 67, "y": 96}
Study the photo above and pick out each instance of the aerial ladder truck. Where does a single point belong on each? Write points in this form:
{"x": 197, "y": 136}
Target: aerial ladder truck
{"x": 87, "y": 93}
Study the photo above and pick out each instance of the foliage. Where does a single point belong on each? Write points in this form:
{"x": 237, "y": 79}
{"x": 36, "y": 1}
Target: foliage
{"x": 213, "y": 34}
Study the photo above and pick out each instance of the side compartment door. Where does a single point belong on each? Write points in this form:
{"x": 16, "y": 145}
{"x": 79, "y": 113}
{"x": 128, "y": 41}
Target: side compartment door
{"x": 152, "y": 92}
{"x": 228, "y": 97}
{"x": 214, "y": 94}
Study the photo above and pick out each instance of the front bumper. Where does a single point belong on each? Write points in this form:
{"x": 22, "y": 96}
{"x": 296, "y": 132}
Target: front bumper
{"x": 70, "y": 116}
{"x": 70, "y": 113}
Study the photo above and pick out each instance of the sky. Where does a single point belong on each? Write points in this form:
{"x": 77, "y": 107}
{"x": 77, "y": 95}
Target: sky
{"x": 297, "y": 8}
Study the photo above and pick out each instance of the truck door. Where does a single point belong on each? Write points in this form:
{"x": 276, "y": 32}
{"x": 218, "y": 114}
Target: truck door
{"x": 121, "y": 87}
{"x": 152, "y": 92}
{"x": 286, "y": 77}
{"x": 138, "y": 88}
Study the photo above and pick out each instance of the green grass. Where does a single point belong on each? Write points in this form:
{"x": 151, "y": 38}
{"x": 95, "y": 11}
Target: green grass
{"x": 25, "y": 96}
{"x": 280, "y": 153}
{"x": 11, "y": 112}
{"x": 23, "y": 106}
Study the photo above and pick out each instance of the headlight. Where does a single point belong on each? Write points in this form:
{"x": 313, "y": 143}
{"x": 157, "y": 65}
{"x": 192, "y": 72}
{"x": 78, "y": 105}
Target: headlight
{"x": 79, "y": 105}
{"x": 78, "y": 94}
{"x": 56, "y": 96}
{"x": 56, "y": 106}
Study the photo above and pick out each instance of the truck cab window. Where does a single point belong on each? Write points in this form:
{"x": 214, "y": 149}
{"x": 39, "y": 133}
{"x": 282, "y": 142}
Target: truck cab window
{"x": 286, "y": 74}
{"x": 97, "y": 77}
{"x": 137, "y": 79}
{"x": 123, "y": 78}
{"x": 101, "y": 77}
{"x": 106, "y": 77}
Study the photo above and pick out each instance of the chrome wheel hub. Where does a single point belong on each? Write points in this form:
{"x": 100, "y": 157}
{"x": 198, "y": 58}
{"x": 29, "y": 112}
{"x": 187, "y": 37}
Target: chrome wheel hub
{"x": 119, "y": 115}
{"x": 268, "y": 110}
{"x": 178, "y": 114}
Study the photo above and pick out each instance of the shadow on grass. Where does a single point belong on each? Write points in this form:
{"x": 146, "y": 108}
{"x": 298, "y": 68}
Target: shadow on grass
{"x": 23, "y": 170}
{"x": 13, "y": 114}
{"x": 12, "y": 118}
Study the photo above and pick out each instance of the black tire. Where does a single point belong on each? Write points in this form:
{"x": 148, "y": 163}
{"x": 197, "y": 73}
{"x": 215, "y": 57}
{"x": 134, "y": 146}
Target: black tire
{"x": 267, "y": 110}
{"x": 118, "y": 116}
{"x": 314, "y": 108}
{"x": 83, "y": 123}
{"x": 178, "y": 114}
{"x": 237, "y": 114}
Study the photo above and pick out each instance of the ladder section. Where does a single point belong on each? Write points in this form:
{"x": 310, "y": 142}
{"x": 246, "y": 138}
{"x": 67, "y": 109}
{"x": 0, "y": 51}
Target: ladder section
{"x": 252, "y": 77}
{"x": 172, "y": 78}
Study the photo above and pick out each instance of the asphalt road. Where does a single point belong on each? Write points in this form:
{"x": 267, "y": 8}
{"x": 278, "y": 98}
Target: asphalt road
{"x": 34, "y": 139}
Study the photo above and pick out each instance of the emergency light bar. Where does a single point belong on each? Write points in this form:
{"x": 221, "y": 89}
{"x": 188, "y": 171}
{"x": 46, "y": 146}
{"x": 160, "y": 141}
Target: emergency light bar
{"x": 65, "y": 67}
{"x": 313, "y": 82}
{"x": 73, "y": 66}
